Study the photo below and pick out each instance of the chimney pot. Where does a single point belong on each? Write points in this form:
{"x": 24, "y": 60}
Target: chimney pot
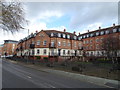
{"x": 74, "y": 32}
{"x": 113, "y": 24}
{"x": 36, "y": 31}
{"x": 64, "y": 30}
{"x": 99, "y": 27}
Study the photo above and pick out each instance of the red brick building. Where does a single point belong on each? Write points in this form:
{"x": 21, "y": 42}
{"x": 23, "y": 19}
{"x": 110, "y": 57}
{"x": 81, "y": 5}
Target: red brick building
{"x": 9, "y": 47}
{"x": 94, "y": 41}
{"x": 55, "y": 45}
{"x": 1, "y": 49}
{"x": 58, "y": 45}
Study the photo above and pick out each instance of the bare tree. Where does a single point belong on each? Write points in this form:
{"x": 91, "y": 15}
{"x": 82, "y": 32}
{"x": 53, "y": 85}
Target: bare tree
{"x": 12, "y": 16}
{"x": 111, "y": 46}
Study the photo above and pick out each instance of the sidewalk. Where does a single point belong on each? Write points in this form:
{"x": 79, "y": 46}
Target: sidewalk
{"x": 91, "y": 79}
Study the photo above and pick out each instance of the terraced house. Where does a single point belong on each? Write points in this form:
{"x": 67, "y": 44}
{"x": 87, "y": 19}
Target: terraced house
{"x": 55, "y": 45}
{"x": 102, "y": 42}
{"x": 58, "y": 45}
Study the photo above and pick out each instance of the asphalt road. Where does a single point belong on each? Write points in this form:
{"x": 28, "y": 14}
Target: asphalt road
{"x": 18, "y": 76}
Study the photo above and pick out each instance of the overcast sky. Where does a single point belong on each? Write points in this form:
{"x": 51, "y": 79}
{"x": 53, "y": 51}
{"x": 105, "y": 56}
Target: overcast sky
{"x": 72, "y": 16}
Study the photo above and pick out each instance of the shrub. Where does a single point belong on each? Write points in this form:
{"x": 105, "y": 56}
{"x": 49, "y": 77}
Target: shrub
{"x": 45, "y": 59}
{"x": 38, "y": 57}
{"x": 75, "y": 69}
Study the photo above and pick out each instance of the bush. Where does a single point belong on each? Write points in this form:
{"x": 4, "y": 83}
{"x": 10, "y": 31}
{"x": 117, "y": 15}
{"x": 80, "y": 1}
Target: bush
{"x": 49, "y": 65}
{"x": 75, "y": 69}
{"x": 45, "y": 59}
{"x": 38, "y": 57}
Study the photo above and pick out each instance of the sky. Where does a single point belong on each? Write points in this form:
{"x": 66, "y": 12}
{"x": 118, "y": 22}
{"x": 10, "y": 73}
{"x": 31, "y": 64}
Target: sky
{"x": 72, "y": 16}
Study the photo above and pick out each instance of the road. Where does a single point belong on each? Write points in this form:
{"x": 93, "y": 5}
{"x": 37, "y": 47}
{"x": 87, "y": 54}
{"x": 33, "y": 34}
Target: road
{"x": 18, "y": 76}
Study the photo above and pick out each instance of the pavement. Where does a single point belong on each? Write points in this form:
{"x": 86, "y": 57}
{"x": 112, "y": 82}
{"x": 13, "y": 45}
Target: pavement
{"x": 84, "y": 78}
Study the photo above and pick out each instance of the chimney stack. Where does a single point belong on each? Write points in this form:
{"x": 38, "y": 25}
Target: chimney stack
{"x": 64, "y": 30}
{"x": 99, "y": 27}
{"x": 113, "y": 24}
{"x": 88, "y": 31}
{"x": 74, "y": 32}
{"x": 36, "y": 31}
{"x": 79, "y": 33}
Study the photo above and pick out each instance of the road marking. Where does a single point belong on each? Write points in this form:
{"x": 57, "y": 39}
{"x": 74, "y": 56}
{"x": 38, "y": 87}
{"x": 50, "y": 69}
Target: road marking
{"x": 28, "y": 76}
{"x": 49, "y": 85}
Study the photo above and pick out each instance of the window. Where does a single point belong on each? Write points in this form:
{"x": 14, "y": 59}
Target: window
{"x": 68, "y": 43}
{"x": 63, "y": 35}
{"x": 101, "y": 39}
{"x": 59, "y": 34}
{"x": 63, "y": 52}
{"x": 64, "y": 44}
{"x": 33, "y": 42}
{"x": 102, "y": 32}
{"x": 106, "y": 32}
{"x": 75, "y": 37}
{"x": 38, "y": 42}
{"x": 68, "y": 51}
{"x": 91, "y": 34}
{"x": 32, "y": 52}
{"x": 87, "y": 41}
{"x": 52, "y": 34}
{"x": 114, "y": 30}
{"x": 87, "y": 35}
{"x": 80, "y": 38}
{"x": 44, "y": 51}
{"x": 68, "y": 36}
{"x": 97, "y": 40}
{"x": 59, "y": 43}
{"x": 74, "y": 44}
{"x": 38, "y": 51}
{"x": 97, "y": 46}
{"x": 119, "y": 29}
{"x": 83, "y": 42}
{"x": 97, "y": 33}
{"x": 45, "y": 43}
{"x": 52, "y": 43}
{"x": 84, "y": 36}
{"x": 91, "y": 41}
{"x": 91, "y": 46}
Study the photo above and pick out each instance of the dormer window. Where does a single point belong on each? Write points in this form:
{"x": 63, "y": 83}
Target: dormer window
{"x": 114, "y": 30}
{"x": 87, "y": 35}
{"x": 52, "y": 34}
{"x": 75, "y": 37}
{"x": 80, "y": 38}
{"x": 68, "y": 36}
{"x": 59, "y": 34}
{"x": 91, "y": 34}
{"x": 63, "y": 35}
{"x": 97, "y": 33}
{"x": 106, "y": 32}
{"x": 102, "y": 32}
{"x": 119, "y": 29}
{"x": 84, "y": 36}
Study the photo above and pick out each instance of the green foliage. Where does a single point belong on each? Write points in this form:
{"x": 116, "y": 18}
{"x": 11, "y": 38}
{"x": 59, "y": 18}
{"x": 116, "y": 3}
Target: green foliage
{"x": 38, "y": 57}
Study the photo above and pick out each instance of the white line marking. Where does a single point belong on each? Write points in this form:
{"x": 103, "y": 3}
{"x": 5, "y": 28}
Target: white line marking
{"x": 28, "y": 76}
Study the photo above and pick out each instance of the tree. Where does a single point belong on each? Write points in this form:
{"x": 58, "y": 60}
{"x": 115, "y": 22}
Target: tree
{"x": 12, "y": 16}
{"x": 111, "y": 46}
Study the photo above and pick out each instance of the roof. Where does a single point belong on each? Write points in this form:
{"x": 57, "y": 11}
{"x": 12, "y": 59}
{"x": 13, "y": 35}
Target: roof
{"x": 10, "y": 41}
{"x": 55, "y": 33}
{"x": 100, "y": 30}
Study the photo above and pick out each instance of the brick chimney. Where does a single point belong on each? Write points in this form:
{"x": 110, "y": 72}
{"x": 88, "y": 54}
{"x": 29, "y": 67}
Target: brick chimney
{"x": 113, "y": 24}
{"x": 64, "y": 30}
{"x": 88, "y": 31}
{"x": 74, "y": 32}
{"x": 99, "y": 27}
{"x": 36, "y": 31}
